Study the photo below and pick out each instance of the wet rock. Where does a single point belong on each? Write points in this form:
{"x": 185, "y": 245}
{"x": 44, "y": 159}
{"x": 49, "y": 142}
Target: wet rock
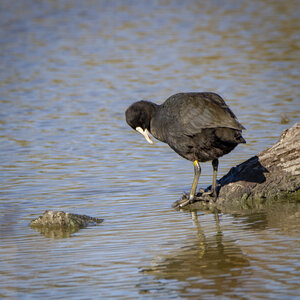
{"x": 272, "y": 174}
{"x": 62, "y": 224}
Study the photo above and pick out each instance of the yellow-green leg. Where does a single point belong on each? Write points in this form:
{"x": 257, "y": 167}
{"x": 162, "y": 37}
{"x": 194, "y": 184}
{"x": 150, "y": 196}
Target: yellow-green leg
{"x": 215, "y": 164}
{"x": 197, "y": 171}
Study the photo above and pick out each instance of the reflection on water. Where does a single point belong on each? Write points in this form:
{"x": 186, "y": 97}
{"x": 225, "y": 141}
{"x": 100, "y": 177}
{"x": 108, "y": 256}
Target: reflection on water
{"x": 68, "y": 71}
{"x": 56, "y": 233}
{"x": 228, "y": 257}
{"x": 210, "y": 263}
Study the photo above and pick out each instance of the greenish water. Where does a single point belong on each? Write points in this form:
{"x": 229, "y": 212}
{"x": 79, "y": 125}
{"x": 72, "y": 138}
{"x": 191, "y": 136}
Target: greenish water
{"x": 68, "y": 71}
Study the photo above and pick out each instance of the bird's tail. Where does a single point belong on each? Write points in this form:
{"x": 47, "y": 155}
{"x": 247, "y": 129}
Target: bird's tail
{"x": 230, "y": 135}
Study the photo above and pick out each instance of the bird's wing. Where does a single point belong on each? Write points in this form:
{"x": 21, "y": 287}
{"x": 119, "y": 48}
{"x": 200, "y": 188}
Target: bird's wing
{"x": 195, "y": 111}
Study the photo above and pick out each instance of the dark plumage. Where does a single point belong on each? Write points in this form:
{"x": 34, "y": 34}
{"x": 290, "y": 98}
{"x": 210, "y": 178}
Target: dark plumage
{"x": 198, "y": 126}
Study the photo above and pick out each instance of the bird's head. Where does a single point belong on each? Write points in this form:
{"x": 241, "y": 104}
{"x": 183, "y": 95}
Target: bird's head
{"x": 138, "y": 116}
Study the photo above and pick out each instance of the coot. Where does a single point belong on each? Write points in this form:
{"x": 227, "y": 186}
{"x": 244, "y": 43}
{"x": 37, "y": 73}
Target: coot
{"x": 198, "y": 126}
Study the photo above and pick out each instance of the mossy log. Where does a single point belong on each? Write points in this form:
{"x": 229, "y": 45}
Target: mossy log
{"x": 272, "y": 174}
{"x": 62, "y": 224}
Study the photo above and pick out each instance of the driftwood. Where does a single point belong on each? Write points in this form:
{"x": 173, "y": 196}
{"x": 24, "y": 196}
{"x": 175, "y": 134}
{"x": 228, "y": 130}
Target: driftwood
{"x": 272, "y": 174}
{"x": 60, "y": 224}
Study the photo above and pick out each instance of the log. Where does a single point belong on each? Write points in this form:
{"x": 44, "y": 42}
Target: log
{"x": 61, "y": 224}
{"x": 272, "y": 174}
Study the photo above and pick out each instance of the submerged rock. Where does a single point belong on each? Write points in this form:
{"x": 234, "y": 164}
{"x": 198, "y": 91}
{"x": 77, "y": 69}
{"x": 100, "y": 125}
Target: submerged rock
{"x": 272, "y": 174}
{"x": 62, "y": 224}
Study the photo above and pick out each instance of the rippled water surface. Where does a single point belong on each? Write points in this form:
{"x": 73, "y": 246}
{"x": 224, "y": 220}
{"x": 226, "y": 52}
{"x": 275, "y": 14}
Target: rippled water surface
{"x": 69, "y": 69}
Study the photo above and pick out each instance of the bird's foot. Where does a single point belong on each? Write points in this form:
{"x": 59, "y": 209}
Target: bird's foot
{"x": 209, "y": 193}
{"x": 203, "y": 195}
{"x": 186, "y": 200}
{"x": 185, "y": 203}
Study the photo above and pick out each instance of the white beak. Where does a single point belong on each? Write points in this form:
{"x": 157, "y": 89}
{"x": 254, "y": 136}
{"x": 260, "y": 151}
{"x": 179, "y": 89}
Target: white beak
{"x": 145, "y": 133}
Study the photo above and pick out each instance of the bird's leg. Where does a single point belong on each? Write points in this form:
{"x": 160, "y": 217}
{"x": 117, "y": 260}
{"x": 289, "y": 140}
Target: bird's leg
{"x": 197, "y": 171}
{"x": 215, "y": 164}
{"x": 213, "y": 191}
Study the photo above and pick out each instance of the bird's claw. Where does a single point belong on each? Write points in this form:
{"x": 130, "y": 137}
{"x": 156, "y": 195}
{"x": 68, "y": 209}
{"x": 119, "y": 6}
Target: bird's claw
{"x": 184, "y": 201}
{"x": 210, "y": 193}
{"x": 202, "y": 195}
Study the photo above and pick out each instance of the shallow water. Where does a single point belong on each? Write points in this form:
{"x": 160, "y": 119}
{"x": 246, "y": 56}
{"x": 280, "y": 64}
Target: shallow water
{"x": 68, "y": 72}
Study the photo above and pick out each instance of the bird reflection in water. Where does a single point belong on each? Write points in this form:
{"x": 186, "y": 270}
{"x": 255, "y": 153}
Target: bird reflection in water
{"x": 208, "y": 262}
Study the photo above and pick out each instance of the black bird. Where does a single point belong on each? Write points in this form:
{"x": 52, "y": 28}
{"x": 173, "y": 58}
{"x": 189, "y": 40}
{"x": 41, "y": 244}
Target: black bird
{"x": 198, "y": 126}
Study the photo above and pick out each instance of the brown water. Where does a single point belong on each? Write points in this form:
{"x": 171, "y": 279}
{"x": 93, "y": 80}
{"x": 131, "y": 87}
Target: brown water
{"x": 69, "y": 69}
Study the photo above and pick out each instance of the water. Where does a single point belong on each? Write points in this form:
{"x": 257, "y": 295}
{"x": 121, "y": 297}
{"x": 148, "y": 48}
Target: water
{"x": 69, "y": 69}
